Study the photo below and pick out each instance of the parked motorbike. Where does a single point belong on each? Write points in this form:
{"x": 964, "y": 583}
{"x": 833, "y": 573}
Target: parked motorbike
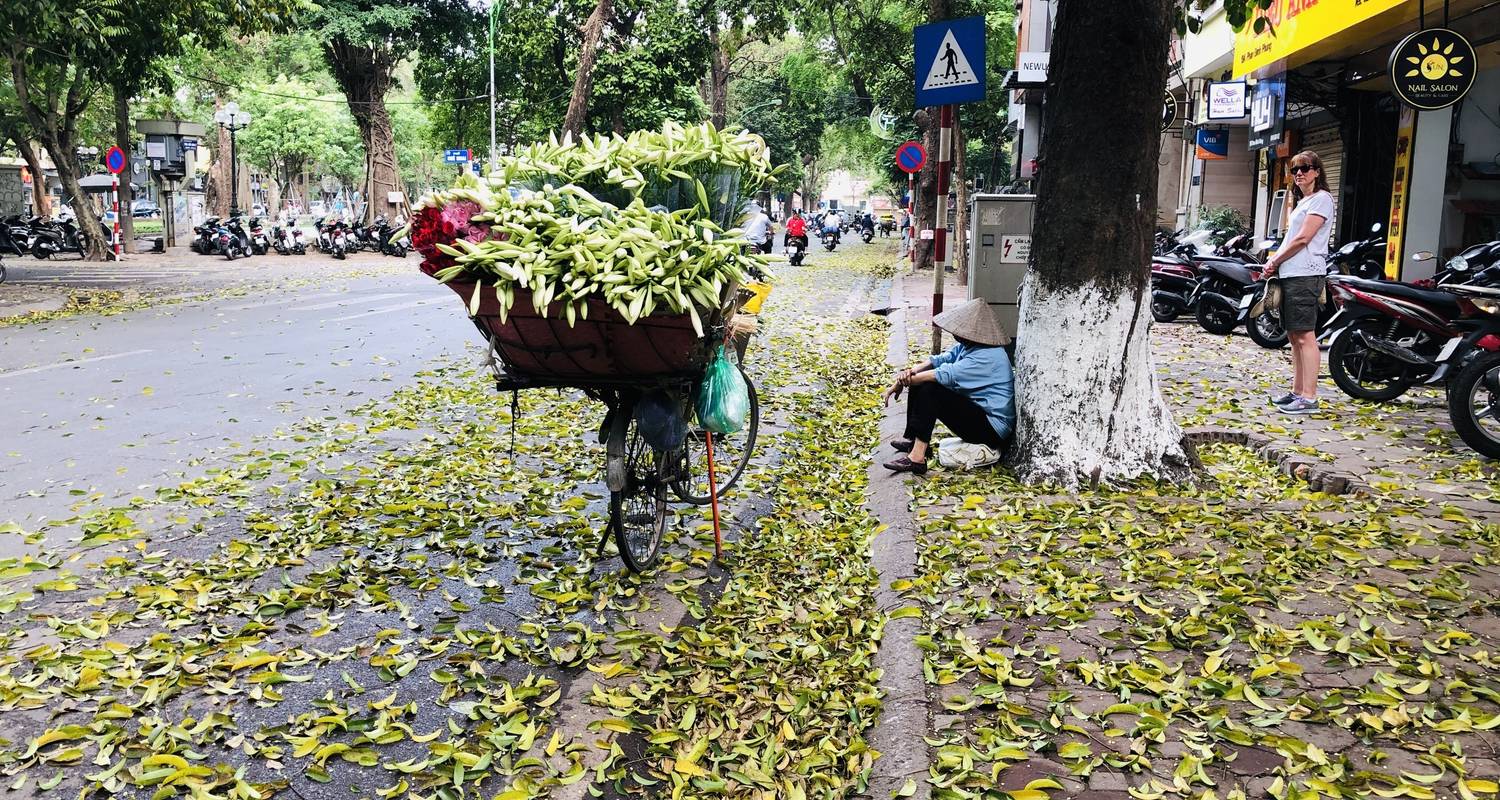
{"x": 50, "y": 237}
{"x": 1391, "y": 335}
{"x": 287, "y": 240}
{"x": 206, "y": 237}
{"x": 1362, "y": 259}
{"x": 332, "y": 237}
{"x": 386, "y": 243}
{"x": 231, "y": 240}
{"x": 1474, "y": 360}
{"x": 796, "y": 249}
{"x": 15, "y": 235}
{"x": 260, "y": 243}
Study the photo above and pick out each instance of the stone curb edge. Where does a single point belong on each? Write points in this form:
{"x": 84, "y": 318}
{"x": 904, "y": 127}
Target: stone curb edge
{"x": 1319, "y": 476}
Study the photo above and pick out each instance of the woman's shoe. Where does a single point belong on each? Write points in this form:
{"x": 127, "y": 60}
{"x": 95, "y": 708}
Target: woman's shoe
{"x": 904, "y": 464}
{"x": 902, "y": 445}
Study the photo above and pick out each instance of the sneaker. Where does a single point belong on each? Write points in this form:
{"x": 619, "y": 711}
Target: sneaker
{"x": 1283, "y": 399}
{"x": 1300, "y": 405}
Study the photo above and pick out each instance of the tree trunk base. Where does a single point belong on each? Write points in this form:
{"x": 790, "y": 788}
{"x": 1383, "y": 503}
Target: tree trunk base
{"x": 1088, "y": 413}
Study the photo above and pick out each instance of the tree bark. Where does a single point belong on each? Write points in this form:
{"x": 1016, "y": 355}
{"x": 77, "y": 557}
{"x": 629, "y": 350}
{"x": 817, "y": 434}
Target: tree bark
{"x": 216, "y": 188}
{"x": 364, "y": 74}
{"x": 583, "y": 80}
{"x": 926, "y": 191}
{"x": 718, "y": 78}
{"x": 1090, "y": 410}
{"x": 39, "y": 199}
{"x": 127, "y": 194}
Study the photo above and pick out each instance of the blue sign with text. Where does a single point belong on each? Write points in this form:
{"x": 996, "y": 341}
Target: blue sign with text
{"x": 456, "y": 156}
{"x": 950, "y": 63}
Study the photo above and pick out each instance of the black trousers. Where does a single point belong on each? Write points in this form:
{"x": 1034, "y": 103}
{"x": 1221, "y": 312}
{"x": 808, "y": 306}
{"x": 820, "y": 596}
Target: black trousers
{"x": 931, "y": 403}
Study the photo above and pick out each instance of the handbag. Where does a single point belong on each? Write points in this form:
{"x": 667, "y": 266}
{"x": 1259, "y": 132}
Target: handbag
{"x": 1270, "y": 300}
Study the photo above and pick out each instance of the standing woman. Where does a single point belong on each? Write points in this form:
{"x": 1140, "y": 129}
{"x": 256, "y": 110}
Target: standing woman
{"x": 1301, "y": 263}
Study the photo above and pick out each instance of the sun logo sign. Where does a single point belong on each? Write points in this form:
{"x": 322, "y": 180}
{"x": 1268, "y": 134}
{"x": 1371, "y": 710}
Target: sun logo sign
{"x": 1432, "y": 68}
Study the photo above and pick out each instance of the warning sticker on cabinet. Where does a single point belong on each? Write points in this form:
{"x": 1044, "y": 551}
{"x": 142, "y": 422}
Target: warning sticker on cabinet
{"x": 1015, "y": 249}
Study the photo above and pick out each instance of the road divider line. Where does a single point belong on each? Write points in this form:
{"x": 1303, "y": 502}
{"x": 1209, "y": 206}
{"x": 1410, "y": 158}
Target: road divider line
{"x": 351, "y": 299}
{"x": 74, "y": 363}
{"x": 386, "y": 310}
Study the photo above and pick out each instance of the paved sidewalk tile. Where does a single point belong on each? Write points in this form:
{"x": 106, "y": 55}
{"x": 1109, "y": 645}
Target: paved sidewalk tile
{"x": 1246, "y": 637}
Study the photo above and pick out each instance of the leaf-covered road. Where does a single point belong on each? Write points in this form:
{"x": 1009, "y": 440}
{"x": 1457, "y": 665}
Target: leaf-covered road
{"x": 386, "y": 604}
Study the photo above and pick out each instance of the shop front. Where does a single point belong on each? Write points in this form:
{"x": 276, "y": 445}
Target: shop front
{"x": 1325, "y": 78}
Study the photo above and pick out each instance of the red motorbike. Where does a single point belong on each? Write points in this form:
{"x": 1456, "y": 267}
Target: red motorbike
{"x": 1390, "y": 335}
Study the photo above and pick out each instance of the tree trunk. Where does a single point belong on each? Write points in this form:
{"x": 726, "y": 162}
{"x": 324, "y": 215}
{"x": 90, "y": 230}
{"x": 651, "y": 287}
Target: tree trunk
{"x": 364, "y": 74}
{"x": 961, "y": 213}
{"x": 583, "y": 80}
{"x": 216, "y": 188}
{"x": 127, "y": 195}
{"x": 54, "y": 118}
{"x": 1090, "y": 410}
{"x": 39, "y": 198}
{"x": 718, "y": 78}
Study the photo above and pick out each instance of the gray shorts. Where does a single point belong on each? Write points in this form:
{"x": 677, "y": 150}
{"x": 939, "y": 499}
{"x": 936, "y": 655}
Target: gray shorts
{"x": 1300, "y": 302}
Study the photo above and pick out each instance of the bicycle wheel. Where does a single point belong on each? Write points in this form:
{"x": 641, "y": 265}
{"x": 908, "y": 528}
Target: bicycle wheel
{"x": 638, "y": 511}
{"x": 731, "y": 455}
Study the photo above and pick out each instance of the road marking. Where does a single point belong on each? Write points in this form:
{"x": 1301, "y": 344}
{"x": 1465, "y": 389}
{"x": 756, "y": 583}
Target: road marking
{"x": 386, "y": 310}
{"x": 95, "y": 359}
{"x": 288, "y": 299}
{"x": 350, "y": 299}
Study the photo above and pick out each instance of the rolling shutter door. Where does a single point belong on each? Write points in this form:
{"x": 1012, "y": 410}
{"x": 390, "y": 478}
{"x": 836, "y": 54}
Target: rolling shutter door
{"x": 1326, "y": 143}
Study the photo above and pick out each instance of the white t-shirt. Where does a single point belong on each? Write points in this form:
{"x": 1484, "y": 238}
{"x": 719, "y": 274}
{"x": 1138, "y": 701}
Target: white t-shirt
{"x": 758, "y": 227}
{"x": 1311, "y": 260}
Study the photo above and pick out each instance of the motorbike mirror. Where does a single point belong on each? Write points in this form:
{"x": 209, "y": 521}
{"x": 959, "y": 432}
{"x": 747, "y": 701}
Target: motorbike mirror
{"x": 1422, "y": 255}
{"x": 1375, "y": 228}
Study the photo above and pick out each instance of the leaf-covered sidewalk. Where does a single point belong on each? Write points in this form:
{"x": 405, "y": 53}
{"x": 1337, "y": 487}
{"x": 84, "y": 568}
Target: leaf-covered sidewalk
{"x": 388, "y": 604}
{"x": 1244, "y": 638}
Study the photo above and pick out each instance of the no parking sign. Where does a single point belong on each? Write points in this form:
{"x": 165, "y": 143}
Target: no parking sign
{"x": 114, "y": 160}
{"x": 911, "y": 157}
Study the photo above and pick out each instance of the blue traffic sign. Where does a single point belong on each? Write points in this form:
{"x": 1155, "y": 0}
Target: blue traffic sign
{"x": 456, "y": 156}
{"x": 911, "y": 157}
{"x": 950, "y": 63}
{"x": 114, "y": 160}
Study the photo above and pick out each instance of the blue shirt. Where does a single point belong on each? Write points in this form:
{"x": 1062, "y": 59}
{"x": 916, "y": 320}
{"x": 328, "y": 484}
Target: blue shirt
{"x": 983, "y": 375}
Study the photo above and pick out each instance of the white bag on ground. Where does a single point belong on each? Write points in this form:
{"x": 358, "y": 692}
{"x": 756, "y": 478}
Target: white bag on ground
{"x": 955, "y": 453}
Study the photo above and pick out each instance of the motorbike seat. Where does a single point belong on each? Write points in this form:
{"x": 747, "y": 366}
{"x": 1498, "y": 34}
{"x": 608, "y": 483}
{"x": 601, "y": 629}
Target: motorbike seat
{"x": 1229, "y": 268}
{"x": 1405, "y": 291}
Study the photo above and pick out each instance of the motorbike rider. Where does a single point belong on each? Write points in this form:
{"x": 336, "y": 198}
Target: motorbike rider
{"x": 758, "y": 229}
{"x": 796, "y": 230}
{"x": 867, "y": 223}
{"x": 831, "y": 222}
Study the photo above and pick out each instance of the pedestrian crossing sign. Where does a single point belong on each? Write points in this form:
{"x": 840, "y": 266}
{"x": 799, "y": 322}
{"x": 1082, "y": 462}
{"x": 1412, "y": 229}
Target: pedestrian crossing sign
{"x": 950, "y": 63}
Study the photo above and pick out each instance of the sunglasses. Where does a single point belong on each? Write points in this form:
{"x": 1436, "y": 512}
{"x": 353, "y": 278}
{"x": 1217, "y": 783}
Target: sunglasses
{"x": 1301, "y": 168}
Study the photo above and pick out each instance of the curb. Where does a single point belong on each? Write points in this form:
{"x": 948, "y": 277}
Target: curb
{"x": 1319, "y": 477}
{"x": 899, "y": 734}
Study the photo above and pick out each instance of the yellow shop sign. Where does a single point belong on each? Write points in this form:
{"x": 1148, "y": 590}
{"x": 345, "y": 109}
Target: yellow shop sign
{"x": 1295, "y": 25}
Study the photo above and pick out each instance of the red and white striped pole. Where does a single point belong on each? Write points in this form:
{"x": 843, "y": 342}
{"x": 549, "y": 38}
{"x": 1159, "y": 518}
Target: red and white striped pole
{"x": 117, "y": 217}
{"x": 911, "y": 216}
{"x": 940, "y": 225}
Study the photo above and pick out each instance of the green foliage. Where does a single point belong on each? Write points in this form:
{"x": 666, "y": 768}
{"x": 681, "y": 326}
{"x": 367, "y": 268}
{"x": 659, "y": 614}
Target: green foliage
{"x": 1228, "y": 219}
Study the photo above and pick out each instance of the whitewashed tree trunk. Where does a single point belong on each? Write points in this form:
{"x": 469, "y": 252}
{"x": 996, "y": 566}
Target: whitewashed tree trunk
{"x": 1089, "y": 410}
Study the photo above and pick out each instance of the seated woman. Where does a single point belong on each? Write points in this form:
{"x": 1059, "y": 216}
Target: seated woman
{"x": 970, "y": 388}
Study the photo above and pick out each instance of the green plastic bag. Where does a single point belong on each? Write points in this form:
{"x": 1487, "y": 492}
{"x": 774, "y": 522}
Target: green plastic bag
{"x": 723, "y": 401}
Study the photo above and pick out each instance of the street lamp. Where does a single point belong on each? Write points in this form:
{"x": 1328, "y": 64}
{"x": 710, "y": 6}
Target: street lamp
{"x": 86, "y": 155}
{"x": 232, "y": 119}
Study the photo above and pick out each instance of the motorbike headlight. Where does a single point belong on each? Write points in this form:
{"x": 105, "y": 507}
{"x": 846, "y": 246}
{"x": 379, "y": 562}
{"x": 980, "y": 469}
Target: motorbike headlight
{"x": 1486, "y": 304}
{"x": 1458, "y": 264}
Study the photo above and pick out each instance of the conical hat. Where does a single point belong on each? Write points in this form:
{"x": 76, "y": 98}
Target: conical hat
{"x": 973, "y": 321}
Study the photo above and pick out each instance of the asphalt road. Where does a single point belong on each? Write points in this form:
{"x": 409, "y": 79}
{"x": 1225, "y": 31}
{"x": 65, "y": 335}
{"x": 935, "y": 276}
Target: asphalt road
{"x": 111, "y": 404}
